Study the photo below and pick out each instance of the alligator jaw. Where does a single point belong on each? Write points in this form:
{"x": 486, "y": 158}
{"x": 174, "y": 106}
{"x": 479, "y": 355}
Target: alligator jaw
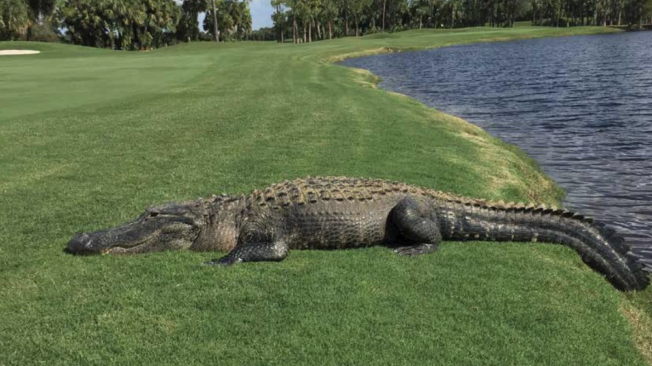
{"x": 109, "y": 241}
{"x": 171, "y": 226}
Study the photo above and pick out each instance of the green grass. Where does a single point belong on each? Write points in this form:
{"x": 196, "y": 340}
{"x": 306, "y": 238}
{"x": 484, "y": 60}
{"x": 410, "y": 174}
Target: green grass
{"x": 88, "y": 138}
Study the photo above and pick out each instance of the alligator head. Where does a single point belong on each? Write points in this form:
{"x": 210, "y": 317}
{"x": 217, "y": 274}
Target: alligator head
{"x": 171, "y": 226}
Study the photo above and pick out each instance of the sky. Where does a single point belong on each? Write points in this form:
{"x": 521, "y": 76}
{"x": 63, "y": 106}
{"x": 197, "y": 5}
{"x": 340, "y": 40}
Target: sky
{"x": 261, "y": 14}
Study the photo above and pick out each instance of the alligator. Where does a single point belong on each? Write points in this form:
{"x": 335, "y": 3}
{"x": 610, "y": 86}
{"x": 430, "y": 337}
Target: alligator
{"x": 342, "y": 212}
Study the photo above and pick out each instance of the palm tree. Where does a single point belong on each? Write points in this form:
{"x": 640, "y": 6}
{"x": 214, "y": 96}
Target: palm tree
{"x": 216, "y": 32}
{"x": 330, "y": 12}
{"x": 232, "y": 19}
{"x": 125, "y": 24}
{"x": 421, "y": 9}
{"x": 244, "y": 22}
{"x": 215, "y": 17}
{"x": 42, "y": 9}
{"x": 280, "y": 18}
{"x": 14, "y": 19}
{"x": 188, "y": 28}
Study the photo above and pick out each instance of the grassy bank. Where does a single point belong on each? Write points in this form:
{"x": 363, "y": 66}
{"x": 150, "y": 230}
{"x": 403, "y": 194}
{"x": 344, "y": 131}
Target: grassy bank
{"x": 88, "y": 138}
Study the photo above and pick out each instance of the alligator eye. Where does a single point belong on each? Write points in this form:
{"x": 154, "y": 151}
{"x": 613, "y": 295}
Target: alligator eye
{"x": 145, "y": 216}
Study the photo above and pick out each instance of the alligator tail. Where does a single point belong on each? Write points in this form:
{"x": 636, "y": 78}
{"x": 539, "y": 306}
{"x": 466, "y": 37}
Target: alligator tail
{"x": 599, "y": 246}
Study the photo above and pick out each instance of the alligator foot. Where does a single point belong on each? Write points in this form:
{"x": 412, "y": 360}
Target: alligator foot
{"x": 224, "y": 261}
{"x": 253, "y": 252}
{"x": 418, "y": 249}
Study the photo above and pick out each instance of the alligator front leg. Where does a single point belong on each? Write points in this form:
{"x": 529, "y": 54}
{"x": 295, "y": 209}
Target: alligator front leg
{"x": 416, "y": 224}
{"x": 253, "y": 252}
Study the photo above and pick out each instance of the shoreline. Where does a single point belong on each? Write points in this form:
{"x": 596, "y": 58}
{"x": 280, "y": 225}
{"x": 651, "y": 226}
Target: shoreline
{"x": 398, "y": 49}
{"x": 372, "y": 80}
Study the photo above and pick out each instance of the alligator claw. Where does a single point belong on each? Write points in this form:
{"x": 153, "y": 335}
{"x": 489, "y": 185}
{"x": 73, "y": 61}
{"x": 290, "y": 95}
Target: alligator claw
{"x": 224, "y": 261}
{"x": 406, "y": 251}
{"x": 413, "y": 250}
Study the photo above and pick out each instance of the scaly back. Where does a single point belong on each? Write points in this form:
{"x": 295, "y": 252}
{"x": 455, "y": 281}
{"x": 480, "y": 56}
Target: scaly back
{"x": 313, "y": 190}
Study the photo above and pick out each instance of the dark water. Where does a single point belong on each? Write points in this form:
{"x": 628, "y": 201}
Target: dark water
{"x": 581, "y": 106}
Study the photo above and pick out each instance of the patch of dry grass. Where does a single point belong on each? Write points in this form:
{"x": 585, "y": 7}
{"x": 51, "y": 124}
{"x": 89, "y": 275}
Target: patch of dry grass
{"x": 641, "y": 327}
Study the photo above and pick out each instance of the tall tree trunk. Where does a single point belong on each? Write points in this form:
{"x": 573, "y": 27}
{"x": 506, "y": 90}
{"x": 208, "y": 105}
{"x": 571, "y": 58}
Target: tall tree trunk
{"x": 295, "y": 34}
{"x": 357, "y": 26}
{"x": 305, "y": 36}
{"x": 330, "y": 29}
{"x": 216, "y": 32}
{"x": 346, "y": 25}
{"x": 558, "y": 14}
{"x": 452, "y": 16}
{"x": 384, "y": 7}
{"x": 310, "y": 30}
{"x": 279, "y": 29}
{"x": 505, "y": 18}
{"x": 595, "y": 16}
{"x": 432, "y": 11}
{"x": 319, "y": 31}
{"x": 534, "y": 15}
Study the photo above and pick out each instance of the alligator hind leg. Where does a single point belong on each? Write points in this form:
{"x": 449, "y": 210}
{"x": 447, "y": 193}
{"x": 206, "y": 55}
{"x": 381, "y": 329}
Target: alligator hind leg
{"x": 416, "y": 225}
{"x": 253, "y": 252}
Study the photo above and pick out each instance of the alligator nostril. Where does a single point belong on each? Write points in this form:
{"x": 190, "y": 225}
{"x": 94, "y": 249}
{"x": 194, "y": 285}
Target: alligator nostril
{"x": 79, "y": 243}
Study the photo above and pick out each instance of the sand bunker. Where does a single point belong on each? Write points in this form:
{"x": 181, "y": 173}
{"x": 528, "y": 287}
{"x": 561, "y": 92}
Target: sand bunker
{"x": 18, "y": 52}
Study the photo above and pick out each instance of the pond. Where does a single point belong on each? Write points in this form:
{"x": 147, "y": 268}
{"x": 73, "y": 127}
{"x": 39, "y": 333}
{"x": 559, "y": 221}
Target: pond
{"x": 581, "y": 106}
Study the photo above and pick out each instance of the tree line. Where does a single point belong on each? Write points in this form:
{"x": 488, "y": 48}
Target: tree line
{"x": 124, "y": 24}
{"x": 145, "y": 24}
{"x": 309, "y": 20}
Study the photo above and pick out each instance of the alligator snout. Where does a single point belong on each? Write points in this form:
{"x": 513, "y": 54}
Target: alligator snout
{"x": 81, "y": 244}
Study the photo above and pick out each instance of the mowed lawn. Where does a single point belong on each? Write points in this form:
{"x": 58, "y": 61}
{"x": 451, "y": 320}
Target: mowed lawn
{"x": 89, "y": 138}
